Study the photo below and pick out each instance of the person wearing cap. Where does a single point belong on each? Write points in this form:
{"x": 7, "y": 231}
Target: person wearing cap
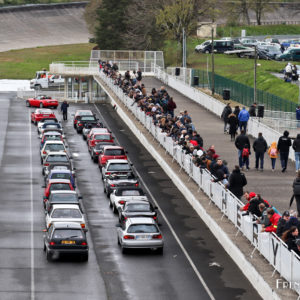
{"x": 196, "y": 137}
{"x": 283, "y": 147}
{"x": 248, "y": 196}
{"x": 282, "y": 223}
{"x": 274, "y": 218}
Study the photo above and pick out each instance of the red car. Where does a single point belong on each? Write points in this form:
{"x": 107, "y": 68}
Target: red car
{"x": 40, "y": 114}
{"x": 99, "y": 137}
{"x": 79, "y": 114}
{"x": 42, "y": 101}
{"x": 111, "y": 152}
{"x": 57, "y": 185}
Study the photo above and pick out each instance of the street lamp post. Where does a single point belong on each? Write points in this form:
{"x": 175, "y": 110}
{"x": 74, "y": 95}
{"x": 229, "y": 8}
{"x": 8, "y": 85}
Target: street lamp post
{"x": 212, "y": 62}
{"x": 255, "y": 67}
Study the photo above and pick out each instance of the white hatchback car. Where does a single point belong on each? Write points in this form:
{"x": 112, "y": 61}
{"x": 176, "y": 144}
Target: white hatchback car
{"x": 140, "y": 233}
{"x": 65, "y": 213}
{"x": 52, "y": 146}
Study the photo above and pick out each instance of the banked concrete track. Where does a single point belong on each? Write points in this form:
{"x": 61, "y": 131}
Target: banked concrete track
{"x": 42, "y": 25}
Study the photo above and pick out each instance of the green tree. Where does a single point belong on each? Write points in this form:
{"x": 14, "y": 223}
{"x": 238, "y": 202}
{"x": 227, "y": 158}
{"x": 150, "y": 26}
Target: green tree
{"x": 90, "y": 15}
{"x": 111, "y": 24}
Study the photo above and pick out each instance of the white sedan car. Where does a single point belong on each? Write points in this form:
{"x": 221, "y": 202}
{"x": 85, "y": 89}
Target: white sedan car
{"x": 140, "y": 233}
{"x": 52, "y": 146}
{"x": 65, "y": 213}
{"x": 121, "y": 195}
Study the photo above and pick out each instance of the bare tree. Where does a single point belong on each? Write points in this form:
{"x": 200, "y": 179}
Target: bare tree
{"x": 260, "y": 7}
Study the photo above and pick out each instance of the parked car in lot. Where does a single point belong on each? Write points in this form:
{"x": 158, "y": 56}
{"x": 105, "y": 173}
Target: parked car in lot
{"x": 52, "y": 146}
{"x": 121, "y": 195}
{"x": 137, "y": 209}
{"x": 200, "y": 47}
{"x": 65, "y": 213}
{"x": 63, "y": 197}
{"x": 42, "y": 101}
{"x": 56, "y": 158}
{"x": 57, "y": 185}
{"x": 65, "y": 238}
{"x": 79, "y": 113}
{"x": 289, "y": 54}
{"x": 40, "y": 114}
{"x": 117, "y": 166}
{"x": 97, "y": 149}
{"x": 50, "y": 127}
{"x": 94, "y": 131}
{"x": 220, "y": 46}
{"x": 110, "y": 152}
{"x": 140, "y": 233}
{"x": 43, "y": 121}
{"x": 88, "y": 126}
{"x": 51, "y": 136}
{"x": 268, "y": 51}
{"x": 248, "y": 42}
{"x": 112, "y": 181}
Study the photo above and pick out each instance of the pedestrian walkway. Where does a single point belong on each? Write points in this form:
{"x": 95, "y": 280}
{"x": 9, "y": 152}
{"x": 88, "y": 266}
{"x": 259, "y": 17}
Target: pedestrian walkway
{"x": 275, "y": 187}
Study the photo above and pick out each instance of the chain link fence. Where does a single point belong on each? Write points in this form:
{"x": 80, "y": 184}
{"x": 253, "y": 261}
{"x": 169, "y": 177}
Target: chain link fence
{"x": 242, "y": 93}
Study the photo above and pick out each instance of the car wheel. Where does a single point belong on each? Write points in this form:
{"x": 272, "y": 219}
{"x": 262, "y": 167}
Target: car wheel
{"x": 41, "y": 161}
{"x": 48, "y": 256}
{"x": 77, "y": 130}
{"x": 27, "y": 104}
{"x": 160, "y": 250}
{"x": 119, "y": 241}
{"x": 124, "y": 250}
{"x": 84, "y": 257}
{"x": 95, "y": 159}
{"x": 44, "y": 248}
{"x": 104, "y": 189}
{"x": 110, "y": 204}
{"x": 41, "y": 105}
{"x": 107, "y": 194}
{"x": 35, "y": 122}
{"x": 37, "y": 87}
{"x": 74, "y": 126}
{"x": 84, "y": 137}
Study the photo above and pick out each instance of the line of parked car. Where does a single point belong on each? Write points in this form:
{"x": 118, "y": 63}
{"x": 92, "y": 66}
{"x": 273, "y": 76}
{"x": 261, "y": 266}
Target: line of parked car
{"x": 138, "y": 222}
{"x": 65, "y": 223}
{"x": 270, "y": 48}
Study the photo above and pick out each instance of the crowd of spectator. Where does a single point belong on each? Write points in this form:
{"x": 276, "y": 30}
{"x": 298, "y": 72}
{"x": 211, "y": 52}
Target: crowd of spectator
{"x": 160, "y": 106}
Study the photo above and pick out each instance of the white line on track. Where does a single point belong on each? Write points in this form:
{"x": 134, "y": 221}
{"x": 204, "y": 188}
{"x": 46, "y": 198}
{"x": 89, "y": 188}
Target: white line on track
{"x": 32, "y": 287}
{"x": 171, "y": 229}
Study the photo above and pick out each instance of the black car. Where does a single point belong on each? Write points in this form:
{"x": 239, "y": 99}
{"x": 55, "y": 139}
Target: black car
{"x": 82, "y": 120}
{"x": 62, "y": 197}
{"x": 99, "y": 147}
{"x": 66, "y": 238}
{"x": 113, "y": 181}
{"x": 134, "y": 209}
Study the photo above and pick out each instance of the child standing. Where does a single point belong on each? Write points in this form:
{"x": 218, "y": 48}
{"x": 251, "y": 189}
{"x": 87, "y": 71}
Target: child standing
{"x": 273, "y": 153}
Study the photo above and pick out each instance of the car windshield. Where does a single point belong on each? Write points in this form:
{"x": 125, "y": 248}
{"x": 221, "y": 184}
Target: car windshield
{"x": 58, "y": 158}
{"x": 51, "y": 125}
{"x": 60, "y": 187}
{"x": 119, "y": 167}
{"x": 138, "y": 207}
{"x": 66, "y": 213}
{"x": 89, "y": 118}
{"x": 142, "y": 228}
{"x": 131, "y": 193}
{"x": 61, "y": 176}
{"x": 54, "y": 147}
{"x": 49, "y": 121}
{"x": 102, "y": 137}
{"x": 67, "y": 233}
{"x": 114, "y": 152}
{"x": 64, "y": 198}
{"x": 84, "y": 113}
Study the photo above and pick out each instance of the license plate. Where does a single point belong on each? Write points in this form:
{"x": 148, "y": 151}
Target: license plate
{"x": 68, "y": 242}
{"x": 143, "y": 237}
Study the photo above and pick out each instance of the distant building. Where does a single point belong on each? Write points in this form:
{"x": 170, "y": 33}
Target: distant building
{"x": 204, "y": 29}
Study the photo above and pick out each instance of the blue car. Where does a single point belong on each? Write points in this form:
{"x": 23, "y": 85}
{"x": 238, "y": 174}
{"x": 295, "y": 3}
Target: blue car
{"x": 61, "y": 174}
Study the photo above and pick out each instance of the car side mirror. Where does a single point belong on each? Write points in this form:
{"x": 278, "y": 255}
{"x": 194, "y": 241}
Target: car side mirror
{"x": 118, "y": 225}
{"x": 80, "y": 197}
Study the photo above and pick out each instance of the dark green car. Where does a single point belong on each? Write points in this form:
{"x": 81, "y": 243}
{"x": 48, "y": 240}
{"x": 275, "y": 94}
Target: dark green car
{"x": 289, "y": 54}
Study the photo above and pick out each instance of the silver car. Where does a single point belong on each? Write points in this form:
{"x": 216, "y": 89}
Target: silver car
{"x": 140, "y": 233}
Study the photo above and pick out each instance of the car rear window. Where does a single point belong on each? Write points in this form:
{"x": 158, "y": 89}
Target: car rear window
{"x": 67, "y": 233}
{"x": 66, "y": 213}
{"x": 131, "y": 193}
{"x": 103, "y": 137}
{"x": 57, "y": 158}
{"x": 64, "y": 198}
{"x": 138, "y": 207}
{"x": 142, "y": 228}
{"x": 88, "y": 118}
{"x": 101, "y": 145}
{"x": 51, "y": 125}
{"x": 60, "y": 187}
{"x": 119, "y": 167}
{"x": 54, "y": 147}
{"x": 60, "y": 176}
{"x": 52, "y": 138}
{"x": 114, "y": 152}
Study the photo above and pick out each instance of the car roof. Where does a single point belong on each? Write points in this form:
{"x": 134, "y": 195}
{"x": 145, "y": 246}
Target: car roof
{"x": 112, "y": 147}
{"x": 94, "y": 130}
{"x": 71, "y": 206}
{"x": 119, "y": 190}
{"x": 118, "y": 161}
{"x": 62, "y": 225}
{"x": 54, "y": 142}
{"x": 63, "y": 192}
{"x": 140, "y": 220}
{"x": 59, "y": 181}
{"x": 57, "y": 153}
{"x": 52, "y": 133}
{"x": 60, "y": 171}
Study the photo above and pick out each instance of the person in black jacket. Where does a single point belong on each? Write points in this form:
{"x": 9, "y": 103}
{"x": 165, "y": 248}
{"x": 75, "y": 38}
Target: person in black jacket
{"x": 260, "y": 147}
{"x": 282, "y": 223}
{"x": 64, "y": 108}
{"x": 296, "y": 147}
{"x": 233, "y": 125}
{"x": 240, "y": 143}
{"x": 226, "y": 112}
{"x": 296, "y": 190}
{"x": 252, "y": 111}
{"x": 196, "y": 137}
{"x": 283, "y": 147}
{"x": 237, "y": 181}
{"x": 290, "y": 236}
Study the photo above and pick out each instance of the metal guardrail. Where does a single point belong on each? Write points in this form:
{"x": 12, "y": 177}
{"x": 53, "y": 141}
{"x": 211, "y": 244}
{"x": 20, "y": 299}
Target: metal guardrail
{"x": 285, "y": 262}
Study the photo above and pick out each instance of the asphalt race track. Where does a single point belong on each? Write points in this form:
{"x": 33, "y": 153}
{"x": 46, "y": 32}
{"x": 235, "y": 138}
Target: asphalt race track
{"x": 25, "y": 272}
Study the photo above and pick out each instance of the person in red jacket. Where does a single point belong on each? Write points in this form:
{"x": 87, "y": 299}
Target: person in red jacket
{"x": 248, "y": 197}
{"x": 274, "y": 218}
